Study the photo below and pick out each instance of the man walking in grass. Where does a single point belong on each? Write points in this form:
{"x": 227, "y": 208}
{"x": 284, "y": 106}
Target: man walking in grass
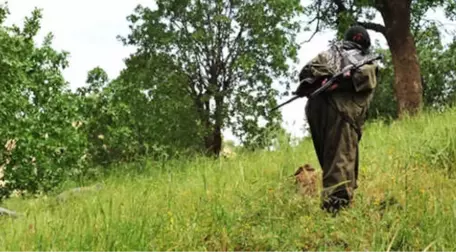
{"x": 336, "y": 116}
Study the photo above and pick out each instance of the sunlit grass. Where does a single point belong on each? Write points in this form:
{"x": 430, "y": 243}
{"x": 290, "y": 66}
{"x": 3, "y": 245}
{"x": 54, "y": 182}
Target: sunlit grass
{"x": 406, "y": 201}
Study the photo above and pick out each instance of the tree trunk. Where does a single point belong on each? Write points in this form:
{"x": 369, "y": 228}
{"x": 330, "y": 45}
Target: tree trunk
{"x": 214, "y": 141}
{"x": 214, "y": 138}
{"x": 408, "y": 87}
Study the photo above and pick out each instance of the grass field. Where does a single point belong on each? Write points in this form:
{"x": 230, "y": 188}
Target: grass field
{"x": 406, "y": 201}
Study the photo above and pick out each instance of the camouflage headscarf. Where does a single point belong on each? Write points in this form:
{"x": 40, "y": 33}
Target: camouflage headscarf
{"x": 339, "y": 50}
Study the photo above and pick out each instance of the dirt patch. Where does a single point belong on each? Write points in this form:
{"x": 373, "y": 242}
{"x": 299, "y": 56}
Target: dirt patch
{"x": 306, "y": 181}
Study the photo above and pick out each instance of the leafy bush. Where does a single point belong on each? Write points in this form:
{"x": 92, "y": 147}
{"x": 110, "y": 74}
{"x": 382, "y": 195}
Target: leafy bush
{"x": 38, "y": 113}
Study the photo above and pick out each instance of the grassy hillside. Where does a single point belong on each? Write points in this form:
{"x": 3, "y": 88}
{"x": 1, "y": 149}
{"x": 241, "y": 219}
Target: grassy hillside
{"x": 406, "y": 201}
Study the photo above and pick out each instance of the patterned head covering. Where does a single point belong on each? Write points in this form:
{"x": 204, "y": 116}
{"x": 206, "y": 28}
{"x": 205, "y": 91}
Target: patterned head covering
{"x": 359, "y": 35}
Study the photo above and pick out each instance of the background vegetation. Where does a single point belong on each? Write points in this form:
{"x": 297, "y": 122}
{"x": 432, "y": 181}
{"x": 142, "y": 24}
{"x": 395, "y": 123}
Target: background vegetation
{"x": 153, "y": 135}
{"x": 405, "y": 201}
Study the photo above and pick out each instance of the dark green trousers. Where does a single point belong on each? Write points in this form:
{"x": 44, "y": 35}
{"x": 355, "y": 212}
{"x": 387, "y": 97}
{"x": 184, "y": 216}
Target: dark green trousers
{"x": 336, "y": 145}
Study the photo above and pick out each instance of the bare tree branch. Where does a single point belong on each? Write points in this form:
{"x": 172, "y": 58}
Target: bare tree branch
{"x": 317, "y": 28}
{"x": 368, "y": 25}
{"x": 374, "y": 27}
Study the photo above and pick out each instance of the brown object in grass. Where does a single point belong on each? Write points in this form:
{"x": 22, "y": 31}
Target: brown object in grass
{"x": 306, "y": 180}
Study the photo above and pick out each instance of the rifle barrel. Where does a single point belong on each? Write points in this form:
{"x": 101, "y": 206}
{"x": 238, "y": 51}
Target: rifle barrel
{"x": 285, "y": 103}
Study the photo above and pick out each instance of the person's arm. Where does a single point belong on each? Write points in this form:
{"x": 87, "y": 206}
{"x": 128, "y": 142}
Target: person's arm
{"x": 365, "y": 78}
{"x": 313, "y": 74}
{"x": 360, "y": 80}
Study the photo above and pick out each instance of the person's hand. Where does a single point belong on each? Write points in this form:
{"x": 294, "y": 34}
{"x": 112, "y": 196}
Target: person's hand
{"x": 332, "y": 87}
{"x": 346, "y": 75}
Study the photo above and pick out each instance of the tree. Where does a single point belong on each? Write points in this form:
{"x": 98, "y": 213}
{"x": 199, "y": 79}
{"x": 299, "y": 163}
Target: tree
{"x": 124, "y": 121}
{"x": 399, "y": 17}
{"x": 437, "y": 71}
{"x": 44, "y": 144}
{"x": 96, "y": 120}
{"x": 223, "y": 54}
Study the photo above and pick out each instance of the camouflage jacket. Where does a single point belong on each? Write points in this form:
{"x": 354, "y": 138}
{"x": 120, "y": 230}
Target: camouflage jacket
{"x": 353, "y": 96}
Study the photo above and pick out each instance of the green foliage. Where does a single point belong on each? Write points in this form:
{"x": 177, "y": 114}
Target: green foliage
{"x": 438, "y": 74}
{"x": 200, "y": 67}
{"x": 124, "y": 123}
{"x": 339, "y": 15}
{"x": 220, "y": 56}
{"x": 405, "y": 202}
{"x": 383, "y": 105}
{"x": 321, "y": 13}
{"x": 37, "y": 113}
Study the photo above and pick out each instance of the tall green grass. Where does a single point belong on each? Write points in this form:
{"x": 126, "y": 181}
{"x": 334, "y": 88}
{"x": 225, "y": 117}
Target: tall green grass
{"x": 406, "y": 201}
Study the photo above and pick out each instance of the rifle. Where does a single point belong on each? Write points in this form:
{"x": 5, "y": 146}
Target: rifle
{"x": 349, "y": 67}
